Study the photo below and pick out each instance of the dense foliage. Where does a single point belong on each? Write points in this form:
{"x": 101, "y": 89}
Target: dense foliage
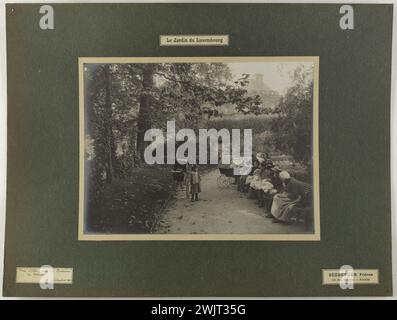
{"x": 125, "y": 100}
{"x": 292, "y": 122}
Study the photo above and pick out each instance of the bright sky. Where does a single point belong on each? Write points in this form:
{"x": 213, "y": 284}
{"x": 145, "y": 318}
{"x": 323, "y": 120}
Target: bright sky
{"x": 275, "y": 74}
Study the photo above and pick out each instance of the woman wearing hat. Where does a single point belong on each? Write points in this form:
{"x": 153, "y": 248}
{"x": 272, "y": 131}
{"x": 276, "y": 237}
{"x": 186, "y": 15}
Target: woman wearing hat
{"x": 284, "y": 201}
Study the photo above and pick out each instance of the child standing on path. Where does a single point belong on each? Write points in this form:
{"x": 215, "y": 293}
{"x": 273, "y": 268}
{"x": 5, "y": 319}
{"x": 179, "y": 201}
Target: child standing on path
{"x": 188, "y": 178}
{"x": 195, "y": 183}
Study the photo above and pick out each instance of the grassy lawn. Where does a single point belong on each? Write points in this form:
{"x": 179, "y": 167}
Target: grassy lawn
{"x": 131, "y": 205}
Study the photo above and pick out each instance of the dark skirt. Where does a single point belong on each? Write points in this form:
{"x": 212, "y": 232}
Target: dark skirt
{"x": 195, "y": 188}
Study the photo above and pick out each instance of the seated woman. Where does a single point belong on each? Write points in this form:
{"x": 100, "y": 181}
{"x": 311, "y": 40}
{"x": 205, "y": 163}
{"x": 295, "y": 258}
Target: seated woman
{"x": 254, "y": 184}
{"x": 266, "y": 182}
{"x": 284, "y": 201}
{"x": 243, "y": 185}
{"x": 266, "y": 194}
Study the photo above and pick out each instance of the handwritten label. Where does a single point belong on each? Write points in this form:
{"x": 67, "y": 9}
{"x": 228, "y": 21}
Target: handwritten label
{"x": 33, "y": 275}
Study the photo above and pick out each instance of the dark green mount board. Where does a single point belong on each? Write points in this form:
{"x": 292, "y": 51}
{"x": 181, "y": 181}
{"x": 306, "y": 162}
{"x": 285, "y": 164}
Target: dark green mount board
{"x": 42, "y": 219}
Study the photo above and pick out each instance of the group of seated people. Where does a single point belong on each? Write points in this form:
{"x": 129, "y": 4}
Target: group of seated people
{"x": 273, "y": 190}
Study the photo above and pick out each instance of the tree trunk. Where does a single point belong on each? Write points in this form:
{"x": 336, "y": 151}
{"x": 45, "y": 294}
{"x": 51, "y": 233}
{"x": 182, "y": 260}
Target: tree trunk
{"x": 109, "y": 140}
{"x": 145, "y": 108}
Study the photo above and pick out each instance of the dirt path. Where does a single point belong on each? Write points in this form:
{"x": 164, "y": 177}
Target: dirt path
{"x": 219, "y": 210}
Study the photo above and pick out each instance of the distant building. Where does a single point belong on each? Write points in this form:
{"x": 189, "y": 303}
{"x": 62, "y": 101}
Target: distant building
{"x": 257, "y": 86}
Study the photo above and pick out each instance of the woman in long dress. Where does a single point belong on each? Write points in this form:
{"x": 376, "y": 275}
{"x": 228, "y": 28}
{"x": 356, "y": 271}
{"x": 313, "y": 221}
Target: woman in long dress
{"x": 188, "y": 175}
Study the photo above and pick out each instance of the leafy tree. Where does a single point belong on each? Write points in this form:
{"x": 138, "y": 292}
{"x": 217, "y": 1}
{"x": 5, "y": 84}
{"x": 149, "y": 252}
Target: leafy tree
{"x": 292, "y": 124}
{"x": 125, "y": 100}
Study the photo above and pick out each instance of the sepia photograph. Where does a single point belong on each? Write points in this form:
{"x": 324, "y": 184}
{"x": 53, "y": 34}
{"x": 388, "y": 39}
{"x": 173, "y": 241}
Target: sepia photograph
{"x": 198, "y": 150}
{"x": 214, "y": 148}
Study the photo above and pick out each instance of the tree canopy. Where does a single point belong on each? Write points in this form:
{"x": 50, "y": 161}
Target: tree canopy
{"x": 125, "y": 100}
{"x": 292, "y": 122}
